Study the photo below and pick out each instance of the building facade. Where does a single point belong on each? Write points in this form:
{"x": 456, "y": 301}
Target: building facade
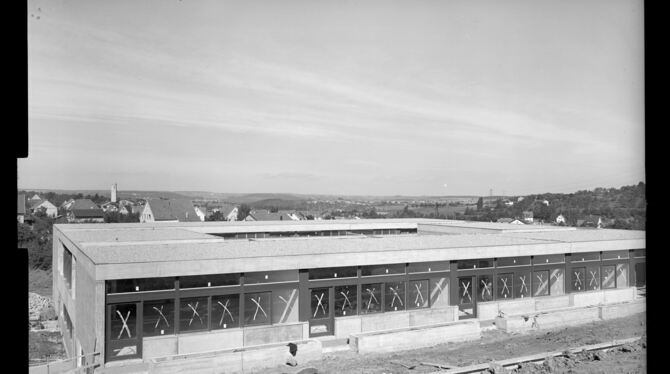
{"x": 140, "y": 291}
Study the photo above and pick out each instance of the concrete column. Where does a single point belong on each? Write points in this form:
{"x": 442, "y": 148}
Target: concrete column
{"x": 303, "y": 292}
{"x": 453, "y": 283}
{"x": 99, "y": 312}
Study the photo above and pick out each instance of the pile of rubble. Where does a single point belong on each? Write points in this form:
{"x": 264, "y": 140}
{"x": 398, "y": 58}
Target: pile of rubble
{"x": 40, "y": 310}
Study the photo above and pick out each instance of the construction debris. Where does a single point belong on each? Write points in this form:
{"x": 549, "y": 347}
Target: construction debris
{"x": 40, "y": 308}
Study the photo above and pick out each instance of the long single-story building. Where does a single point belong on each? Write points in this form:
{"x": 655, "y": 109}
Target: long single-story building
{"x": 139, "y": 291}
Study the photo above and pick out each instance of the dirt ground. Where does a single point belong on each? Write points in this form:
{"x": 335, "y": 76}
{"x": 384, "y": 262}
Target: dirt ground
{"x": 497, "y": 345}
{"x": 45, "y": 345}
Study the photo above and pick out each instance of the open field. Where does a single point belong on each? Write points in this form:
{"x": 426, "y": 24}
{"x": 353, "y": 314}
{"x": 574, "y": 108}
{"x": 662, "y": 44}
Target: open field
{"x": 497, "y": 345}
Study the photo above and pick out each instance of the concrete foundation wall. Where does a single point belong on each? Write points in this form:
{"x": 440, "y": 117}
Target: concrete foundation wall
{"x": 433, "y": 316}
{"x": 623, "y": 309}
{"x": 262, "y": 358}
{"x": 273, "y": 334}
{"x": 619, "y": 295}
{"x": 489, "y": 310}
{"x": 346, "y": 326}
{"x": 384, "y": 321}
{"x": 415, "y": 337}
{"x": 587, "y": 298}
{"x": 158, "y": 346}
{"x": 209, "y": 341}
{"x": 552, "y": 302}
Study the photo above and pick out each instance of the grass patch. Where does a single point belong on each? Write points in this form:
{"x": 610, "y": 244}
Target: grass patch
{"x": 40, "y": 281}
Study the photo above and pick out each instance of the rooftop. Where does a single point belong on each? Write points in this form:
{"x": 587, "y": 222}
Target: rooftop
{"x": 124, "y": 243}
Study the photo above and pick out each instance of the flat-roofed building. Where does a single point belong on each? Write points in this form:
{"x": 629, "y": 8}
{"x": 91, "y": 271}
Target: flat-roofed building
{"x": 140, "y": 291}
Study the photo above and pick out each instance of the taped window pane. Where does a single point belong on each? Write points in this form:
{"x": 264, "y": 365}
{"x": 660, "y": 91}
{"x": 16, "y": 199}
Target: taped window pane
{"x": 345, "y": 300}
{"x": 557, "y": 281}
{"x": 439, "y": 292}
{"x": 285, "y": 305}
{"x": 418, "y": 294}
{"x": 608, "y": 276}
{"x": 193, "y": 314}
{"x": 522, "y": 284}
{"x": 540, "y": 283}
{"x": 257, "y": 308}
{"x": 371, "y": 298}
{"x": 319, "y": 302}
{"x": 123, "y": 321}
{"x": 622, "y": 275}
{"x": 225, "y": 311}
{"x": 485, "y": 288}
{"x": 395, "y": 296}
{"x": 505, "y": 286}
{"x": 158, "y": 317}
{"x": 577, "y": 279}
{"x": 593, "y": 278}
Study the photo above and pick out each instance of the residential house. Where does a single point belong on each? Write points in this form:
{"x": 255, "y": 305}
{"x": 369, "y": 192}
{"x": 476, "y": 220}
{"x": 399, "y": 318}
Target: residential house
{"x": 590, "y": 221}
{"x": 81, "y": 204}
{"x": 21, "y": 208}
{"x": 560, "y": 219}
{"x": 528, "y": 216}
{"x": 264, "y": 215}
{"x": 49, "y": 209}
{"x": 229, "y": 212}
{"x": 175, "y": 210}
{"x": 109, "y": 207}
{"x": 67, "y": 205}
{"x": 35, "y": 198}
{"x": 201, "y": 211}
{"x": 95, "y": 215}
{"x": 123, "y": 209}
{"x": 517, "y": 222}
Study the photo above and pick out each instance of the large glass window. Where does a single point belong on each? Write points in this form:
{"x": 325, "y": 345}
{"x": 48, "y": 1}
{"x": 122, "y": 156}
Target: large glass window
{"x": 549, "y": 259}
{"x": 577, "y": 279}
{"x": 586, "y": 256}
{"x": 540, "y": 283}
{"x": 557, "y": 282}
{"x": 383, "y": 269}
{"x": 621, "y": 275}
{"x": 345, "y": 300}
{"x": 67, "y": 267}
{"x": 505, "y": 286}
{"x": 522, "y": 284}
{"x": 225, "y": 311}
{"x": 513, "y": 261}
{"x": 485, "y": 288}
{"x": 158, "y": 317}
{"x": 285, "y": 305}
{"x": 395, "y": 296}
{"x": 123, "y": 322}
{"x": 428, "y": 267}
{"x": 141, "y": 284}
{"x": 593, "y": 277}
{"x": 193, "y": 314}
{"x": 439, "y": 292}
{"x": 257, "y": 308}
{"x": 608, "y": 276}
{"x": 615, "y": 255}
{"x": 271, "y": 276}
{"x": 371, "y": 298}
{"x": 417, "y": 294}
{"x": 319, "y": 303}
{"x": 329, "y": 273}
{"x": 475, "y": 264}
{"x": 212, "y": 280}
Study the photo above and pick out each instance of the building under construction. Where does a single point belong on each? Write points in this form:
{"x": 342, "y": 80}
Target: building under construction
{"x": 143, "y": 291}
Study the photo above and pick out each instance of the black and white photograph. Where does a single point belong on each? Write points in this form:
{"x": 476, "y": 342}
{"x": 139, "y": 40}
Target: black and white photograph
{"x": 334, "y": 186}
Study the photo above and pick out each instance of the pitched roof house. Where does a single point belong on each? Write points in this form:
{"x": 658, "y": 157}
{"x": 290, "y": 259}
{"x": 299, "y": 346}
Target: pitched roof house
{"x": 176, "y": 210}
{"x": 264, "y": 215}
{"x": 86, "y": 215}
{"x": 80, "y": 204}
{"x": 49, "y": 209}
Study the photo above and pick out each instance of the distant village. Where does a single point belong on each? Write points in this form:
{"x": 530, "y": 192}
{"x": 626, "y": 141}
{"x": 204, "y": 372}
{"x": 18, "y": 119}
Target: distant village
{"x": 617, "y": 208}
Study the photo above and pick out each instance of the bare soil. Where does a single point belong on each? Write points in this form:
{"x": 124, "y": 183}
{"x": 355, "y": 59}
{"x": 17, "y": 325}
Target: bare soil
{"x": 498, "y": 345}
{"x": 45, "y": 346}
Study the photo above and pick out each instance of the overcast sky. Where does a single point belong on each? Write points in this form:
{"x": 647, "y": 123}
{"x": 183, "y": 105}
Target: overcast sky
{"x": 335, "y": 97}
